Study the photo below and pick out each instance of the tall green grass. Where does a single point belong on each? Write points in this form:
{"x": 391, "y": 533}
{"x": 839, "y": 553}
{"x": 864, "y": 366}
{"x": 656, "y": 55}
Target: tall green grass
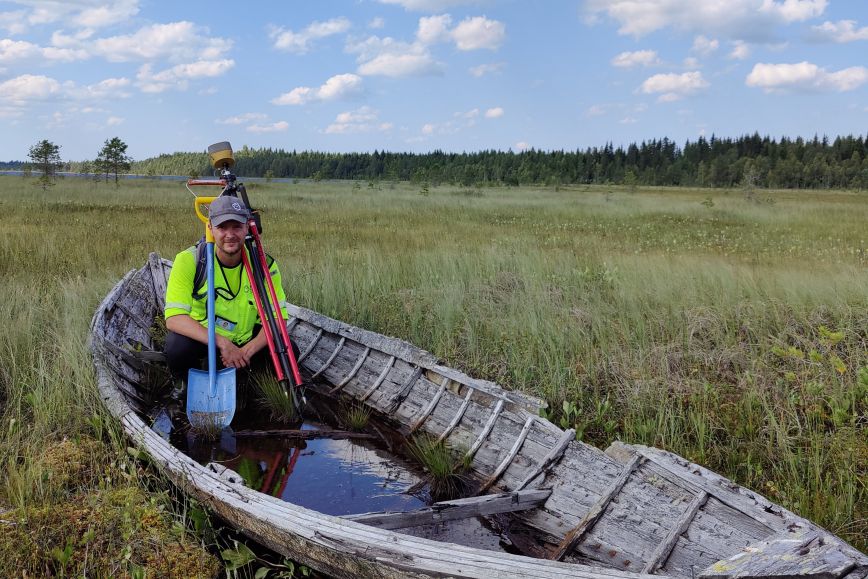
{"x": 734, "y": 332}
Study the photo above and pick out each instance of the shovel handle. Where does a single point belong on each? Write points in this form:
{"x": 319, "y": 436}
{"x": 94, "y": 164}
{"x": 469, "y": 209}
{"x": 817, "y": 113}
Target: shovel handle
{"x": 197, "y": 206}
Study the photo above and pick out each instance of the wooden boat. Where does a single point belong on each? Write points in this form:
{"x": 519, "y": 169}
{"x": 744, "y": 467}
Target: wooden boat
{"x": 627, "y": 512}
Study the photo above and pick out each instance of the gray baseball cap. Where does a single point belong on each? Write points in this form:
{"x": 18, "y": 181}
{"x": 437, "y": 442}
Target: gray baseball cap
{"x": 226, "y": 208}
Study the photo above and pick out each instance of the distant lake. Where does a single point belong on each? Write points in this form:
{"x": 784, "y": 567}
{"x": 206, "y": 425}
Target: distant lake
{"x": 155, "y": 177}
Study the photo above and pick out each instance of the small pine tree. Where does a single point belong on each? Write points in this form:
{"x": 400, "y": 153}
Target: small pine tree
{"x": 113, "y": 158}
{"x": 46, "y": 157}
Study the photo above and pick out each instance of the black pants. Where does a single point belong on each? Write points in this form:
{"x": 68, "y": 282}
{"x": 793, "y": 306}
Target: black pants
{"x": 183, "y": 353}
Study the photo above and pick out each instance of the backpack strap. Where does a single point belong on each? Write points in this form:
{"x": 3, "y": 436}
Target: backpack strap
{"x": 200, "y": 278}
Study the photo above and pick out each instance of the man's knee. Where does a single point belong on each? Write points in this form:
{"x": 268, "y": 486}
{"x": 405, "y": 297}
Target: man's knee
{"x": 183, "y": 353}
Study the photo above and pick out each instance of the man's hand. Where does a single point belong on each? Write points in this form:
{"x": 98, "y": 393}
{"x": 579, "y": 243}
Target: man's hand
{"x": 231, "y": 355}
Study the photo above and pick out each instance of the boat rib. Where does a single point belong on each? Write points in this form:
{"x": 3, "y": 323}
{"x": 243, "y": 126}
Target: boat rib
{"x": 431, "y": 405}
{"x": 352, "y": 373}
{"x": 331, "y": 359}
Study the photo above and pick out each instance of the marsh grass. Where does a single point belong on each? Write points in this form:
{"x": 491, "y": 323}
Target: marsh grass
{"x": 734, "y": 333}
{"x": 354, "y": 416}
{"x": 273, "y": 396}
{"x": 446, "y": 478}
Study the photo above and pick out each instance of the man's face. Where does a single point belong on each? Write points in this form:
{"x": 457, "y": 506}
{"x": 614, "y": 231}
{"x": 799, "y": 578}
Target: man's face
{"x": 229, "y": 236}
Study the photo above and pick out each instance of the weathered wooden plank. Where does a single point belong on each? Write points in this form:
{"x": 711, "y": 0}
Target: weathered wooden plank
{"x": 158, "y": 280}
{"x": 352, "y": 373}
{"x": 637, "y": 520}
{"x": 553, "y": 455}
{"x": 123, "y": 354}
{"x": 134, "y": 316}
{"x": 457, "y": 418}
{"x": 486, "y": 430}
{"x": 509, "y": 457}
{"x": 431, "y": 405}
{"x": 453, "y": 510}
{"x": 380, "y": 378}
{"x": 790, "y": 555}
{"x": 751, "y": 504}
{"x": 290, "y": 325}
{"x": 658, "y": 558}
{"x": 310, "y": 347}
{"x": 402, "y": 394}
{"x": 331, "y": 359}
{"x": 573, "y": 538}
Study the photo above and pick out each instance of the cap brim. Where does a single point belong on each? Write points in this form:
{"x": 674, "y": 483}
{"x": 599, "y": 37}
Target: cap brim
{"x": 229, "y": 217}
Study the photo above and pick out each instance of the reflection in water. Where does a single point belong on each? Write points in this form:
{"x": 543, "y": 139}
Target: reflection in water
{"x": 336, "y": 477}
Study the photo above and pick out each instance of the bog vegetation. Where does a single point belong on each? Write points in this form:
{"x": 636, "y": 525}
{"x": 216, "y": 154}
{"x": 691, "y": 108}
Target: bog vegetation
{"x": 729, "y": 326}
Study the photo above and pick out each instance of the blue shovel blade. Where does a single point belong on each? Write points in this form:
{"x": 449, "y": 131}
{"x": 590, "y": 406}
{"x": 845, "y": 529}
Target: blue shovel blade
{"x": 204, "y": 410}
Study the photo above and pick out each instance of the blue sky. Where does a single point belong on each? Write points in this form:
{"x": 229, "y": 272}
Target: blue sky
{"x": 418, "y": 75}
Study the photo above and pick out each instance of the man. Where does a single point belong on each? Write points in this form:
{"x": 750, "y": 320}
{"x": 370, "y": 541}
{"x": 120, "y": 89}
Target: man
{"x": 241, "y": 341}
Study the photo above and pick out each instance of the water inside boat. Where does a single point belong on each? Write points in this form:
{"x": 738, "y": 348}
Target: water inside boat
{"x": 350, "y": 474}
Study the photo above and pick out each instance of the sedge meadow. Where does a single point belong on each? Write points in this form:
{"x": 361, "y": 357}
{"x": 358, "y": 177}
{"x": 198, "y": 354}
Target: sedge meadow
{"x": 729, "y": 326}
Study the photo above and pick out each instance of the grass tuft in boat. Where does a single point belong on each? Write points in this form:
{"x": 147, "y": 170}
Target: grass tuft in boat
{"x": 355, "y": 416}
{"x": 274, "y": 397}
{"x": 436, "y": 458}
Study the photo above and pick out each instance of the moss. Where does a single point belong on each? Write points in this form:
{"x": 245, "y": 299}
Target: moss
{"x": 104, "y": 533}
{"x": 70, "y": 464}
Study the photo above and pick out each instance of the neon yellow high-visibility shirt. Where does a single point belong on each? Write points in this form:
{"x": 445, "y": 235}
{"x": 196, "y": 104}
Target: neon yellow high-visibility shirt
{"x": 234, "y": 305}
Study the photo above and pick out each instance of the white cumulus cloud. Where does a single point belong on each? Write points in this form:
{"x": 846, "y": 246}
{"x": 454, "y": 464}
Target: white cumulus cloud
{"x": 23, "y": 89}
{"x": 300, "y": 42}
{"x": 362, "y": 120}
{"x": 740, "y": 50}
{"x": 841, "y": 32}
{"x": 636, "y": 58}
{"x": 805, "y": 77}
{"x": 484, "y": 69}
{"x": 434, "y": 29}
{"x": 13, "y": 22}
{"x": 242, "y": 119}
{"x": 672, "y": 87}
{"x": 429, "y": 5}
{"x": 337, "y": 87}
{"x": 79, "y": 14}
{"x": 277, "y": 127}
{"x": 735, "y": 19}
{"x": 389, "y": 57}
{"x": 175, "y": 41}
{"x": 479, "y": 32}
{"x": 179, "y": 75}
{"x": 104, "y": 13}
{"x": 19, "y": 51}
{"x": 494, "y": 113}
{"x": 704, "y": 46}
{"x": 107, "y": 89}
{"x": 396, "y": 65}
{"x": 472, "y": 33}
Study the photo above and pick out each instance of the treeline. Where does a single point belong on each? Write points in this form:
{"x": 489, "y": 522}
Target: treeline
{"x": 707, "y": 162}
{"x": 750, "y": 160}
